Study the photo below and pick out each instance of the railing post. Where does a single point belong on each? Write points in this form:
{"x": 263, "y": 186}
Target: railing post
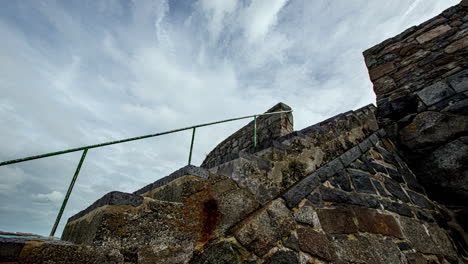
{"x": 255, "y": 131}
{"x": 65, "y": 200}
{"x": 191, "y": 147}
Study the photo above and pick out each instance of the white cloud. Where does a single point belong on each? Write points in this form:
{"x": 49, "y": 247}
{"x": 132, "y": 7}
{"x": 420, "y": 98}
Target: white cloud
{"x": 54, "y": 197}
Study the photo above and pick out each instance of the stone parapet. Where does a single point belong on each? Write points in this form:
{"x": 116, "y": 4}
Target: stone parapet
{"x": 269, "y": 128}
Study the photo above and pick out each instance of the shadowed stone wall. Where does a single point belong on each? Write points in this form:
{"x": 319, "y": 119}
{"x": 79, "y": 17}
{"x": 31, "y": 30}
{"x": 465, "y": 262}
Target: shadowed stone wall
{"x": 268, "y": 128}
{"x": 420, "y": 78}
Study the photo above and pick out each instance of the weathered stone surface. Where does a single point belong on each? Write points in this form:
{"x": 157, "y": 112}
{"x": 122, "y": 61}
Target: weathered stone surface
{"x": 42, "y": 251}
{"x": 299, "y": 191}
{"x": 457, "y": 45}
{"x": 442, "y": 241}
{"x": 416, "y": 233}
{"x": 381, "y": 70}
{"x": 396, "y": 190}
{"x": 435, "y": 93}
{"x": 384, "y": 85}
{"x": 262, "y": 230}
{"x": 315, "y": 243}
{"x": 337, "y": 221}
{"x": 10, "y": 249}
{"x": 350, "y": 155}
{"x": 112, "y": 198}
{"x": 420, "y": 200}
{"x": 399, "y": 208}
{"x": 306, "y": 215}
{"x": 459, "y": 81}
{"x": 222, "y": 252}
{"x": 434, "y": 33}
{"x": 291, "y": 242}
{"x": 283, "y": 257}
{"x": 370, "y": 221}
{"x": 340, "y": 197}
{"x": 361, "y": 182}
{"x": 380, "y": 188}
{"x": 368, "y": 250}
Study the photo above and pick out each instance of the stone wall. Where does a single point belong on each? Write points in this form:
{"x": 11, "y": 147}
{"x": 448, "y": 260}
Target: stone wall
{"x": 420, "y": 78}
{"x": 269, "y": 128}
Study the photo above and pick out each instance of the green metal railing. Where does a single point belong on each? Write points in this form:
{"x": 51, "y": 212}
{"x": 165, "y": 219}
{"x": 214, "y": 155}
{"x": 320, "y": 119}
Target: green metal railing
{"x": 86, "y": 148}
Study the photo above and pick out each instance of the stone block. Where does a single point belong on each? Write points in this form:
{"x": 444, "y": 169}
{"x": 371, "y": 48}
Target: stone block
{"x": 337, "y": 221}
{"x": 401, "y": 209}
{"x": 396, "y": 190}
{"x": 264, "y": 228}
{"x": 381, "y": 70}
{"x": 370, "y": 221}
{"x": 342, "y": 180}
{"x": 365, "y": 145}
{"x": 361, "y": 182}
{"x": 459, "y": 81}
{"x": 305, "y": 215}
{"x": 351, "y": 155}
{"x": 291, "y": 242}
{"x": 420, "y": 200}
{"x": 315, "y": 243}
{"x": 279, "y": 257}
{"x": 435, "y": 93}
{"x": 380, "y": 188}
{"x": 384, "y": 85}
{"x": 112, "y": 198}
{"x": 415, "y": 232}
{"x": 457, "y": 45}
{"x": 433, "y": 33}
{"x": 340, "y": 197}
{"x": 220, "y": 252}
{"x": 10, "y": 248}
{"x": 299, "y": 191}
{"x": 368, "y": 250}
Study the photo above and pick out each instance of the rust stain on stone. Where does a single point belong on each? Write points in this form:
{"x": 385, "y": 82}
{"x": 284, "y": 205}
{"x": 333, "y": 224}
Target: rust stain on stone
{"x": 211, "y": 216}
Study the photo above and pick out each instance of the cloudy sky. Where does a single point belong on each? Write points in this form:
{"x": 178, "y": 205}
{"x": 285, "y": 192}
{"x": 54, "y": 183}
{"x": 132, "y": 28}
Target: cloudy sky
{"x": 74, "y": 73}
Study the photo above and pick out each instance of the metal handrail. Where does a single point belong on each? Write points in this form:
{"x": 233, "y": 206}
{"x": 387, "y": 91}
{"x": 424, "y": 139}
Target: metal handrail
{"x": 86, "y": 148}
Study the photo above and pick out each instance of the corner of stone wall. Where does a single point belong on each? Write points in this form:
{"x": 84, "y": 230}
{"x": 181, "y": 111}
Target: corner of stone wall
{"x": 420, "y": 78}
{"x": 269, "y": 128}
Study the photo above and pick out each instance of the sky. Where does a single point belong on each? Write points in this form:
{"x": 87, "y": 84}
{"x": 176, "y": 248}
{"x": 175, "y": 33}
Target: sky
{"x": 76, "y": 73}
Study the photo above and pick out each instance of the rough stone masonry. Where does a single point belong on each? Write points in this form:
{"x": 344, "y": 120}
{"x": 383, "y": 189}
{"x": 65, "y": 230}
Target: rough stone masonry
{"x": 374, "y": 185}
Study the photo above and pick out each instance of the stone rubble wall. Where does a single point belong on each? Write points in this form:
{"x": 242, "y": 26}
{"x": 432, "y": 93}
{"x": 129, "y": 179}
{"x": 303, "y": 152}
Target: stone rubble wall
{"x": 269, "y": 128}
{"x": 420, "y": 78}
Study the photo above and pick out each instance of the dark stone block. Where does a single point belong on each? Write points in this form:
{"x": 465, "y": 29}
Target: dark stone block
{"x": 281, "y": 257}
{"x": 329, "y": 169}
{"x": 395, "y": 175}
{"x": 377, "y": 167}
{"x": 374, "y": 138}
{"x": 420, "y": 200}
{"x": 435, "y": 93}
{"x": 398, "y": 108}
{"x": 401, "y": 209}
{"x": 340, "y": 197}
{"x": 380, "y": 188}
{"x": 299, "y": 191}
{"x": 350, "y": 155}
{"x": 342, "y": 179}
{"x": 396, "y": 190}
{"x": 315, "y": 243}
{"x": 403, "y": 246}
{"x": 360, "y": 166}
{"x": 420, "y": 214}
{"x": 10, "y": 249}
{"x": 362, "y": 182}
{"x": 291, "y": 242}
{"x": 387, "y": 155}
{"x": 315, "y": 198}
{"x": 365, "y": 145}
